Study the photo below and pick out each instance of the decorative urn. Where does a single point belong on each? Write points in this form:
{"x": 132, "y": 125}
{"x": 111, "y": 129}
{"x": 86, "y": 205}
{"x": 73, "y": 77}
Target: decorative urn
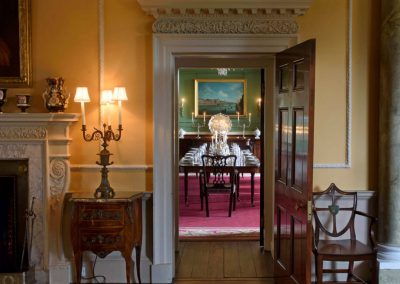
{"x": 55, "y": 96}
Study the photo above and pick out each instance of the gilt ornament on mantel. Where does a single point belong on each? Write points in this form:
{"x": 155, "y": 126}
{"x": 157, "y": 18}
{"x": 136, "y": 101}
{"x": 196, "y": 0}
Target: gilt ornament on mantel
{"x": 55, "y": 96}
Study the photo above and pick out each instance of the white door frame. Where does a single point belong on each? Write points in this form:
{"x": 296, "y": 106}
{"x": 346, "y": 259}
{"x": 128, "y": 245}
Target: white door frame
{"x": 166, "y": 47}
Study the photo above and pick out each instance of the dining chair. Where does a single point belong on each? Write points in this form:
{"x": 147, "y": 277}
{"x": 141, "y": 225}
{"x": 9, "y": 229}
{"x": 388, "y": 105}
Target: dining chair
{"x": 335, "y": 239}
{"x": 218, "y": 176}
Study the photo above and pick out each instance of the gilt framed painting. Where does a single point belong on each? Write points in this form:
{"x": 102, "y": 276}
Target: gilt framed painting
{"x": 15, "y": 44}
{"x": 226, "y": 96}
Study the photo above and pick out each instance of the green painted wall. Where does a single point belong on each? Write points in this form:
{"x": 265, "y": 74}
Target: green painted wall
{"x": 186, "y": 90}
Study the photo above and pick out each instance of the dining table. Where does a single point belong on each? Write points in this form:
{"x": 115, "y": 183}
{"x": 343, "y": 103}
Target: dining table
{"x": 241, "y": 168}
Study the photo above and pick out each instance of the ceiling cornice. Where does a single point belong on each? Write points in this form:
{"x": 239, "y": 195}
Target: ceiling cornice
{"x": 251, "y": 7}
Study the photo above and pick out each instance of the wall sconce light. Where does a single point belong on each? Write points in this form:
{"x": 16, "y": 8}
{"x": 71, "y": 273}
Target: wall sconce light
{"x": 181, "y": 106}
{"x": 259, "y": 104}
{"x": 106, "y": 134}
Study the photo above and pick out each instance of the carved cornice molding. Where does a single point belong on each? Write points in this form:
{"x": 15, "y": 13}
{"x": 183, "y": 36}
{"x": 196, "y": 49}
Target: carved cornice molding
{"x": 226, "y": 24}
{"x": 23, "y": 133}
{"x": 194, "y": 7}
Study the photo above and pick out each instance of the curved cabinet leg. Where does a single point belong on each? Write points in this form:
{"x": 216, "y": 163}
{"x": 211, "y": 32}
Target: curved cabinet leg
{"x": 138, "y": 250}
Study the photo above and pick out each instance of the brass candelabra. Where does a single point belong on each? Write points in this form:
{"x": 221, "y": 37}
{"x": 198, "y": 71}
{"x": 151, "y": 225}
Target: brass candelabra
{"x": 106, "y": 135}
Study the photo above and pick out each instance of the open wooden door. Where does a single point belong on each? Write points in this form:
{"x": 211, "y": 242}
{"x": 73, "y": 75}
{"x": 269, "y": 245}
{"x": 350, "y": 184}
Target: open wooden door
{"x": 294, "y": 131}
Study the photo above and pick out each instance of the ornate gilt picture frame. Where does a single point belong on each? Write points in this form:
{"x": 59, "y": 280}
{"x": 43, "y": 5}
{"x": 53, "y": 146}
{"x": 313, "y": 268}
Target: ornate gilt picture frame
{"x": 226, "y": 96}
{"x": 15, "y": 43}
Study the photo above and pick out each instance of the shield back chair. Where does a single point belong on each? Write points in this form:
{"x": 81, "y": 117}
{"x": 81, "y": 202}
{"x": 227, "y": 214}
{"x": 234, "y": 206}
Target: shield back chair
{"x": 218, "y": 175}
{"x": 335, "y": 238}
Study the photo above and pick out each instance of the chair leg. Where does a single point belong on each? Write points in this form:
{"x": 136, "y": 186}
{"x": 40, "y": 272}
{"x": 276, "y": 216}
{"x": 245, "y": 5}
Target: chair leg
{"x": 319, "y": 271}
{"x": 201, "y": 199}
{"x": 350, "y": 271}
{"x": 374, "y": 271}
{"x": 230, "y": 203}
{"x": 206, "y": 196}
{"x": 234, "y": 201}
{"x": 238, "y": 186}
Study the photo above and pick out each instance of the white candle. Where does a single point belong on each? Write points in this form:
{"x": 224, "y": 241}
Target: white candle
{"x": 244, "y": 126}
{"x": 237, "y": 115}
{"x": 204, "y": 116}
{"x": 101, "y": 115}
{"x": 249, "y": 116}
{"x": 108, "y": 114}
{"x": 83, "y": 113}
{"x": 192, "y": 117}
{"x": 119, "y": 112}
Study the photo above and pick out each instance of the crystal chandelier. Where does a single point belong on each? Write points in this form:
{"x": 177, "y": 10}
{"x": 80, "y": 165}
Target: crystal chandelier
{"x": 223, "y": 71}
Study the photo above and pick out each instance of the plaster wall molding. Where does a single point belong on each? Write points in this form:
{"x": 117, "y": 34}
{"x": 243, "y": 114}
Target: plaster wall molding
{"x": 349, "y": 97}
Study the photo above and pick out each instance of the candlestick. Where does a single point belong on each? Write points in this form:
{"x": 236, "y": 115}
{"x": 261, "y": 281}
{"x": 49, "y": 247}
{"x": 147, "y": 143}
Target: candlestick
{"x": 105, "y": 133}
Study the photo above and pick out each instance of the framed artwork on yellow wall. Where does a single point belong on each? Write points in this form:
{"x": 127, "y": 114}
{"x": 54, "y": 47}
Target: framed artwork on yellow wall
{"x": 227, "y": 96}
{"x": 15, "y": 44}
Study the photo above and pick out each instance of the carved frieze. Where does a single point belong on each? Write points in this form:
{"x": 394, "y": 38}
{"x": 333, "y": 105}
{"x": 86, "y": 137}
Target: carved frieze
{"x": 226, "y": 24}
{"x": 12, "y": 151}
{"x": 23, "y": 133}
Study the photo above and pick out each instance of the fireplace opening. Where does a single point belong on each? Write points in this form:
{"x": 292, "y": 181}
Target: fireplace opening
{"x": 14, "y": 191}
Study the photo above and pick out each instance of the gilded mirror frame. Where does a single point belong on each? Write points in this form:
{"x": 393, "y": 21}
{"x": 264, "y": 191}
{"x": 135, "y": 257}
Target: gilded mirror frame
{"x": 21, "y": 75}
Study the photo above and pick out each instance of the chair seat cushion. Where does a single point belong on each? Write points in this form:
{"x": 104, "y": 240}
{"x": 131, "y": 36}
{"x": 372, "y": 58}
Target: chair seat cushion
{"x": 343, "y": 248}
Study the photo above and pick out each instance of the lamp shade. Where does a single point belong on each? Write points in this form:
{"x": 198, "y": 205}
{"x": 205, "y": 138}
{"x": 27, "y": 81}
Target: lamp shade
{"x": 120, "y": 94}
{"x": 82, "y": 95}
{"x": 106, "y": 97}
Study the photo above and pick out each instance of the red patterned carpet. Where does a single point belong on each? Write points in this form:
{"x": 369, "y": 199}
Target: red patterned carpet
{"x": 193, "y": 221}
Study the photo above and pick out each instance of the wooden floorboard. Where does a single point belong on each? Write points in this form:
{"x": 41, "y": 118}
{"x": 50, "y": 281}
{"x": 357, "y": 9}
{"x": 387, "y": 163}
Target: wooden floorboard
{"x": 231, "y": 260}
{"x": 220, "y": 262}
{"x": 200, "y": 262}
{"x": 216, "y": 261}
{"x": 247, "y": 268}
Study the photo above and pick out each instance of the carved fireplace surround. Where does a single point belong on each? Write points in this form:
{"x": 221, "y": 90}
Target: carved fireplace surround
{"x": 43, "y": 139}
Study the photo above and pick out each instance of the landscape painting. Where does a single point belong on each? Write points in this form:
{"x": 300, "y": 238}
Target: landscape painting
{"x": 213, "y": 96}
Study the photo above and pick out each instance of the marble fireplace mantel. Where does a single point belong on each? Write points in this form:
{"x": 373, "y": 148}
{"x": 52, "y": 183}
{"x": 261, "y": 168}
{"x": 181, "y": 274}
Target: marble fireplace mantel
{"x": 43, "y": 139}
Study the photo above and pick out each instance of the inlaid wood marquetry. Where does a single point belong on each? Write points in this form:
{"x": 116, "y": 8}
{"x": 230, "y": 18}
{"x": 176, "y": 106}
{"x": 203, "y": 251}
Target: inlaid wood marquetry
{"x": 106, "y": 225}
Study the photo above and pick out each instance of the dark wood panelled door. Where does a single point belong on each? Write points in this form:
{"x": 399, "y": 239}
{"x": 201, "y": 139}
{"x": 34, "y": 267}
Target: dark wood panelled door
{"x": 294, "y": 98}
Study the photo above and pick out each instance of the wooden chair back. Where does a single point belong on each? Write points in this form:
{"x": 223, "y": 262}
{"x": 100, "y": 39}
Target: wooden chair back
{"x": 335, "y": 237}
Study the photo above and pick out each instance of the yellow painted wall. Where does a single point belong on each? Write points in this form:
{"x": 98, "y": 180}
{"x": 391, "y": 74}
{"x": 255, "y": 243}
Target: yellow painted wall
{"x": 326, "y": 21}
{"x": 65, "y": 42}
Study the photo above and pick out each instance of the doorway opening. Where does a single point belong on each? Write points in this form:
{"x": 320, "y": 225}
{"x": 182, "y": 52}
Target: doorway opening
{"x": 235, "y": 94}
